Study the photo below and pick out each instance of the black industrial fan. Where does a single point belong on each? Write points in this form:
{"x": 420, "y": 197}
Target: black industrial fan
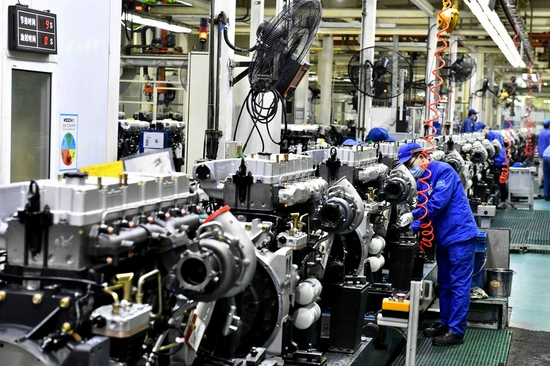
{"x": 462, "y": 69}
{"x": 487, "y": 88}
{"x": 282, "y": 44}
{"x": 315, "y": 90}
{"x": 380, "y": 72}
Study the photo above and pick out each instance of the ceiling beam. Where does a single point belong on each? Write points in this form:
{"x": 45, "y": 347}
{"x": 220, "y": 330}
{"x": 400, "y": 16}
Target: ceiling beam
{"x": 327, "y": 12}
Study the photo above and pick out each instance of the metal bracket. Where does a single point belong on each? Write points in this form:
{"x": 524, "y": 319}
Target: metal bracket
{"x": 242, "y": 75}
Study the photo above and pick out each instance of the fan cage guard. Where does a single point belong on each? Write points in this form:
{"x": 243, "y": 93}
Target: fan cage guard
{"x": 374, "y": 76}
{"x": 283, "y": 45}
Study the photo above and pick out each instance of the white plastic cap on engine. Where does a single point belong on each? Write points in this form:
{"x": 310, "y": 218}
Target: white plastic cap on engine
{"x": 376, "y": 263}
{"x": 308, "y": 290}
{"x": 376, "y": 245}
{"x": 305, "y": 316}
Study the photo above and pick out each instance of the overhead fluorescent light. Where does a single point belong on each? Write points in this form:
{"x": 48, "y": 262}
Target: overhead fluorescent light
{"x": 493, "y": 26}
{"x": 156, "y": 23}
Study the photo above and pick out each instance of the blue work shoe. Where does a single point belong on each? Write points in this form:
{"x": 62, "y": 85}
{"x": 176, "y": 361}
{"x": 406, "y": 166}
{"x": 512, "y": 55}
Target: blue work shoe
{"x": 435, "y": 330}
{"x": 447, "y": 339}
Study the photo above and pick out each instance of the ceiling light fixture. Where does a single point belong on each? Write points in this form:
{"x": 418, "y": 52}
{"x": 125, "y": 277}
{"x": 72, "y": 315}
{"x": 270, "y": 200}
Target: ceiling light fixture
{"x": 156, "y": 23}
{"x": 493, "y": 25}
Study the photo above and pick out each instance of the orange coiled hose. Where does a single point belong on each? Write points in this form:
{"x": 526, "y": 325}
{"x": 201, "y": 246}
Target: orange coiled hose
{"x": 426, "y": 228}
{"x": 504, "y": 171}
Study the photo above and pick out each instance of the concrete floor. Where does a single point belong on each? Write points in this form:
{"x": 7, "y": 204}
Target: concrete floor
{"x": 530, "y": 284}
{"x": 530, "y": 296}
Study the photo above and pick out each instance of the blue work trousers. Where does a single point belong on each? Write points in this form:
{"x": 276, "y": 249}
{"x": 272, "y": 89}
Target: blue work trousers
{"x": 546, "y": 172}
{"x": 455, "y": 266}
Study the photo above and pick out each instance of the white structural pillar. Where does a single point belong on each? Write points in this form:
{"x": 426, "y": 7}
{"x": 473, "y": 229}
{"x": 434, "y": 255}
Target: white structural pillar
{"x": 451, "y": 102}
{"x": 256, "y": 18}
{"x": 301, "y": 104}
{"x": 326, "y": 80}
{"x": 368, "y": 32}
{"x": 279, "y": 4}
{"x": 224, "y": 98}
{"x": 477, "y": 102}
{"x": 488, "y": 101}
{"x": 431, "y": 64}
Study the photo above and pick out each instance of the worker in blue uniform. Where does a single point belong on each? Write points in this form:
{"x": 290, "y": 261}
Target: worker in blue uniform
{"x": 546, "y": 169}
{"x": 500, "y": 161}
{"x": 543, "y": 141}
{"x": 378, "y": 134}
{"x": 455, "y": 234}
{"x": 468, "y": 125}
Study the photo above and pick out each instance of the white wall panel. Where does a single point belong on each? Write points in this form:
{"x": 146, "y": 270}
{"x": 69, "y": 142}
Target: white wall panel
{"x": 84, "y": 77}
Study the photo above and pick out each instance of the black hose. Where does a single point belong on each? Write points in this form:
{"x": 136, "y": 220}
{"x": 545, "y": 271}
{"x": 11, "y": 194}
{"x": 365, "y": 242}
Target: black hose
{"x": 222, "y": 18}
{"x": 246, "y": 16}
{"x": 233, "y": 47}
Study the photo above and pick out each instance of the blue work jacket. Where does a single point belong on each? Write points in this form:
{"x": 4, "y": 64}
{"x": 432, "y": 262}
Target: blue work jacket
{"x": 500, "y": 159}
{"x": 543, "y": 141}
{"x": 448, "y": 206}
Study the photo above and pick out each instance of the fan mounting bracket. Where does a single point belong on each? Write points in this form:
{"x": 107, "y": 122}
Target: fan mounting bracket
{"x": 240, "y": 76}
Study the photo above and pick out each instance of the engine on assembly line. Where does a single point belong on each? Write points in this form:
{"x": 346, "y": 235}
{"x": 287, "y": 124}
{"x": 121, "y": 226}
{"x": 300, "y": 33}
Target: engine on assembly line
{"x": 272, "y": 256}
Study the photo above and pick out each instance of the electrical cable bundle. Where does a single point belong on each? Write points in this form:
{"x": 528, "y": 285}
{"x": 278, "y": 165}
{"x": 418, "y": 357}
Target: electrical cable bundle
{"x": 259, "y": 114}
{"x": 426, "y": 228}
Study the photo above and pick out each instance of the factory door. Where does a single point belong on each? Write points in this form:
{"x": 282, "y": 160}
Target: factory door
{"x": 30, "y": 125}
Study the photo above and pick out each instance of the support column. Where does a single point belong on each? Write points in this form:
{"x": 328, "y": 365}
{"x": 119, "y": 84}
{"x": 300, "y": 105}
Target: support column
{"x": 368, "y": 32}
{"x": 451, "y": 102}
{"x": 256, "y": 18}
{"x": 279, "y": 4}
{"x": 488, "y": 101}
{"x": 326, "y": 81}
{"x": 477, "y": 102}
{"x": 431, "y": 64}
{"x": 301, "y": 104}
{"x": 224, "y": 96}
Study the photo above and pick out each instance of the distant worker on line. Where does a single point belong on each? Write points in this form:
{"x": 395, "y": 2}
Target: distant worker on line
{"x": 378, "y": 134}
{"x": 500, "y": 161}
{"x": 468, "y": 125}
{"x": 546, "y": 169}
{"x": 455, "y": 233}
{"x": 543, "y": 142}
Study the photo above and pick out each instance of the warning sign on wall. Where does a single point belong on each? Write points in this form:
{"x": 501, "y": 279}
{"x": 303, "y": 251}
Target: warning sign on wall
{"x": 68, "y": 141}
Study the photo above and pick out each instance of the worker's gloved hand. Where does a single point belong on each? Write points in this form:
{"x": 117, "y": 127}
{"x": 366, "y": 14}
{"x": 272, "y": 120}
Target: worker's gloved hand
{"x": 405, "y": 220}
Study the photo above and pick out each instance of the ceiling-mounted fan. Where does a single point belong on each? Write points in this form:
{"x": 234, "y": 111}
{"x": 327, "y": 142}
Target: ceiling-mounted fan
{"x": 486, "y": 88}
{"x": 315, "y": 90}
{"x": 380, "y": 72}
{"x": 462, "y": 69}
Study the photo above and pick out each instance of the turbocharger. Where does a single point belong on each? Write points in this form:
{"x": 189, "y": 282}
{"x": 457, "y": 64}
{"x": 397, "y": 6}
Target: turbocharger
{"x": 479, "y": 153}
{"x": 489, "y": 147}
{"x": 400, "y": 186}
{"x": 220, "y": 263}
{"x": 342, "y": 210}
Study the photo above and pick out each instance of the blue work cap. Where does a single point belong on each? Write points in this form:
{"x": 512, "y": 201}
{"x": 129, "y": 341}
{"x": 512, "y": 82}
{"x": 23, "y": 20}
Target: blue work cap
{"x": 379, "y": 134}
{"x": 350, "y": 142}
{"x": 546, "y": 122}
{"x": 472, "y": 111}
{"x": 479, "y": 126}
{"x": 407, "y": 151}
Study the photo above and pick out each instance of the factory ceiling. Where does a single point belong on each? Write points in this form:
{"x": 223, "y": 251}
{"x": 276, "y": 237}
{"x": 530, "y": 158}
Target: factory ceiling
{"x": 405, "y": 20}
